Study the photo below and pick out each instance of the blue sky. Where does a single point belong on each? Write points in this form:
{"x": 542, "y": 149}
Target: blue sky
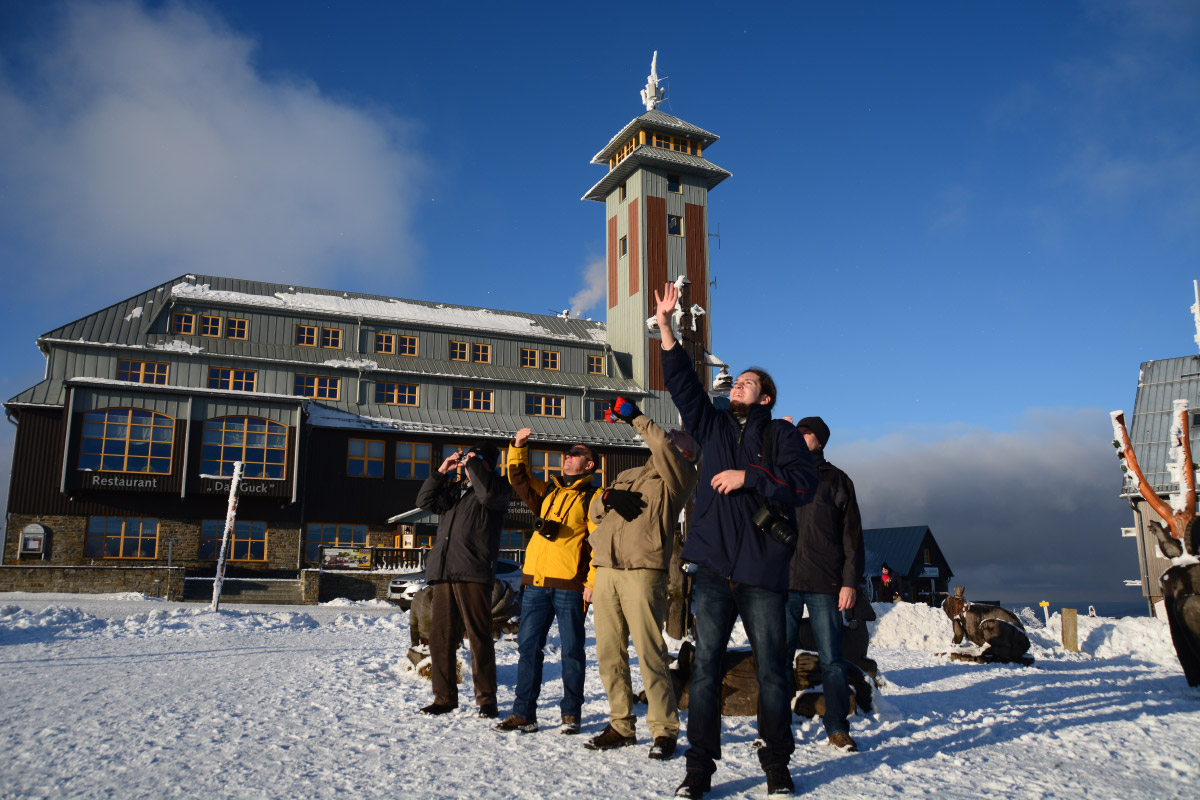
{"x": 953, "y": 230}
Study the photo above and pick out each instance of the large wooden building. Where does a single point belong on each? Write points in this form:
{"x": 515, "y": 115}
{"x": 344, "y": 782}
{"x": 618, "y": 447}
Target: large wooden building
{"x": 339, "y": 403}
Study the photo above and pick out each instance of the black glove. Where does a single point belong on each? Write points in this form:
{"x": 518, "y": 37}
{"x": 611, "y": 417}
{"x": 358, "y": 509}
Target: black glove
{"x": 627, "y": 504}
{"x": 623, "y": 410}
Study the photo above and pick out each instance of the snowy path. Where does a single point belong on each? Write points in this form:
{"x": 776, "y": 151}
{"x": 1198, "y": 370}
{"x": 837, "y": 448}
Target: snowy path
{"x": 129, "y": 698}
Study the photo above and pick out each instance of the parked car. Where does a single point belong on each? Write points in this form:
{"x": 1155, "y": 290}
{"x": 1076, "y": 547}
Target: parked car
{"x": 403, "y": 588}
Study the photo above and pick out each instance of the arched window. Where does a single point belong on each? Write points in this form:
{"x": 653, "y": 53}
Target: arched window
{"x": 127, "y": 440}
{"x": 258, "y": 443}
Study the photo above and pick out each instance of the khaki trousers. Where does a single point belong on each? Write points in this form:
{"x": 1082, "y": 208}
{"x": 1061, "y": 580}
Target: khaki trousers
{"x": 633, "y": 602}
{"x": 468, "y": 604}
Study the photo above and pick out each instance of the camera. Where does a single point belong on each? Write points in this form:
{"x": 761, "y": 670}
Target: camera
{"x": 773, "y": 524}
{"x": 546, "y": 527}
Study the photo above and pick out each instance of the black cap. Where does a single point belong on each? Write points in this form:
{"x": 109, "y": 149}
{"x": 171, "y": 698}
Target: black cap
{"x": 817, "y": 426}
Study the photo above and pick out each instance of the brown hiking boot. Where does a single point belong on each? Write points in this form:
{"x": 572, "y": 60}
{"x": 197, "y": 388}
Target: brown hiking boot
{"x": 843, "y": 742}
{"x": 609, "y": 739}
{"x": 570, "y": 725}
{"x": 663, "y": 748}
{"x": 515, "y": 723}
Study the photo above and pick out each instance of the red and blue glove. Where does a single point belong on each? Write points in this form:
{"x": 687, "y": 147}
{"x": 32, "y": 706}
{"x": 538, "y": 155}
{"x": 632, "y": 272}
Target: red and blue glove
{"x": 622, "y": 411}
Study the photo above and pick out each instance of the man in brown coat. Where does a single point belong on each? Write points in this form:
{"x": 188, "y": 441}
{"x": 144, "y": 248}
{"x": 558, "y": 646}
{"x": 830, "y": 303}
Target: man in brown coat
{"x": 635, "y": 522}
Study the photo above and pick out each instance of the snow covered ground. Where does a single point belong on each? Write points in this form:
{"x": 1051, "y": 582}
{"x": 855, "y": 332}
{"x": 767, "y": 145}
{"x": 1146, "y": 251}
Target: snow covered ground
{"x": 119, "y": 696}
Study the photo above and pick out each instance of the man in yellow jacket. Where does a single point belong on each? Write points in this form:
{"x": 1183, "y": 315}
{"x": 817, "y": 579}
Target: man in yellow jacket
{"x": 556, "y": 566}
{"x": 635, "y": 519}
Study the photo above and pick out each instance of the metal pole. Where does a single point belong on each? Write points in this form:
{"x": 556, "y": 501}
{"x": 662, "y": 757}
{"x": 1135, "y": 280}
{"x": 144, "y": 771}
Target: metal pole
{"x": 230, "y": 517}
{"x": 170, "y": 562}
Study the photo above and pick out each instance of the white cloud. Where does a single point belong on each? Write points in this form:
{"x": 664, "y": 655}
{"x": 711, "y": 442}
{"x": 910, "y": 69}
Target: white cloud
{"x": 594, "y": 289}
{"x": 1019, "y": 515}
{"x": 142, "y": 144}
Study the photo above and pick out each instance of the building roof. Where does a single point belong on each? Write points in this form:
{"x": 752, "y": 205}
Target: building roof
{"x": 124, "y": 329}
{"x": 649, "y": 156}
{"x": 126, "y": 322}
{"x": 898, "y": 547}
{"x": 1160, "y": 383}
{"x": 654, "y": 121}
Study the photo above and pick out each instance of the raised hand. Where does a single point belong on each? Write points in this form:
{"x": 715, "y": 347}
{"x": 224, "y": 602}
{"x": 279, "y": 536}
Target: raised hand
{"x": 667, "y": 302}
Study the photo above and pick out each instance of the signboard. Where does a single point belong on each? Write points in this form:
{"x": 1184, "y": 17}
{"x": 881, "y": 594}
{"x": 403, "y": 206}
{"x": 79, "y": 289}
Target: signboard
{"x": 346, "y": 558}
{"x": 124, "y": 481}
{"x": 33, "y": 539}
{"x": 930, "y": 572}
{"x": 518, "y": 514}
{"x": 247, "y": 487}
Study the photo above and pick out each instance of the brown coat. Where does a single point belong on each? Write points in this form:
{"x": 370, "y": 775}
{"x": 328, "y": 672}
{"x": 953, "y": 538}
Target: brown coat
{"x": 666, "y": 483}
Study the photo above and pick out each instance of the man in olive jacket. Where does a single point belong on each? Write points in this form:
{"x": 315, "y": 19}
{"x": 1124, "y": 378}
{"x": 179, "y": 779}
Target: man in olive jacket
{"x": 461, "y": 568}
{"x": 635, "y": 522}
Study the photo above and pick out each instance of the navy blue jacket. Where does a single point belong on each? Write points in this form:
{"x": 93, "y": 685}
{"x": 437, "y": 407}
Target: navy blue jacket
{"x": 722, "y": 536}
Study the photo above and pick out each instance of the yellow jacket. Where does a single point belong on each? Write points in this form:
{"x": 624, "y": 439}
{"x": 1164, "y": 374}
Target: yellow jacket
{"x": 560, "y": 562}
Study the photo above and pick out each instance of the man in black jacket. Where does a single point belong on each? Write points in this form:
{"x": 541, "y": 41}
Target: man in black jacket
{"x": 461, "y": 569}
{"x": 825, "y": 572}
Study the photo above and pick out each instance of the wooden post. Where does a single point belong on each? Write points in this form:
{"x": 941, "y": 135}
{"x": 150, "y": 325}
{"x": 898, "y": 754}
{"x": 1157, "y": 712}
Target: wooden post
{"x": 1070, "y": 629}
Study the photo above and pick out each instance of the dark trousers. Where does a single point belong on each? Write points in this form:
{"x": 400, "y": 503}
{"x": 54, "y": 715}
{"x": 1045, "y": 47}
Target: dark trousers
{"x": 826, "y": 622}
{"x": 717, "y": 603}
{"x": 469, "y": 605}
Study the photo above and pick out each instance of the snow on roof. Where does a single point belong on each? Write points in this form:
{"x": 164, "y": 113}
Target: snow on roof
{"x": 391, "y": 309}
{"x": 175, "y": 345}
{"x": 353, "y": 363}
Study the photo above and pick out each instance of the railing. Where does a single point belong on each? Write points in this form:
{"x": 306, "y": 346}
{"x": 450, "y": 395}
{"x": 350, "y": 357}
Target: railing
{"x": 405, "y": 559}
{"x": 399, "y": 558}
{"x": 516, "y": 554}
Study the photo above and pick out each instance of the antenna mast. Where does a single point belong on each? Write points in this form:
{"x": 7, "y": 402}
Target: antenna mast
{"x": 1196, "y": 311}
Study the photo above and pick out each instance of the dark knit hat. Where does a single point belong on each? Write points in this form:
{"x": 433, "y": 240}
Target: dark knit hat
{"x": 489, "y": 453}
{"x": 817, "y": 426}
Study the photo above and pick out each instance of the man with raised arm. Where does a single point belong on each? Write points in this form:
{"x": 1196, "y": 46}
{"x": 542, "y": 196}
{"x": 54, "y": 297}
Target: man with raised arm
{"x": 461, "y": 569}
{"x": 755, "y": 472}
{"x": 635, "y": 519}
{"x": 556, "y": 566}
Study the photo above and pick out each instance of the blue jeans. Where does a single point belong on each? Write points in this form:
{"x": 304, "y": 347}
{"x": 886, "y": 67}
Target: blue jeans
{"x": 717, "y": 603}
{"x": 539, "y": 607}
{"x": 826, "y": 623}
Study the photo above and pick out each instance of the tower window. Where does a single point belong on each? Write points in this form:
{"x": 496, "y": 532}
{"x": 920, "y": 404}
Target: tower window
{"x": 624, "y": 246}
{"x": 622, "y": 193}
{"x": 674, "y": 183}
{"x": 674, "y": 225}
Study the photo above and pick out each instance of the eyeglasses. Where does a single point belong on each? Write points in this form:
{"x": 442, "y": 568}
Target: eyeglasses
{"x": 580, "y": 452}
